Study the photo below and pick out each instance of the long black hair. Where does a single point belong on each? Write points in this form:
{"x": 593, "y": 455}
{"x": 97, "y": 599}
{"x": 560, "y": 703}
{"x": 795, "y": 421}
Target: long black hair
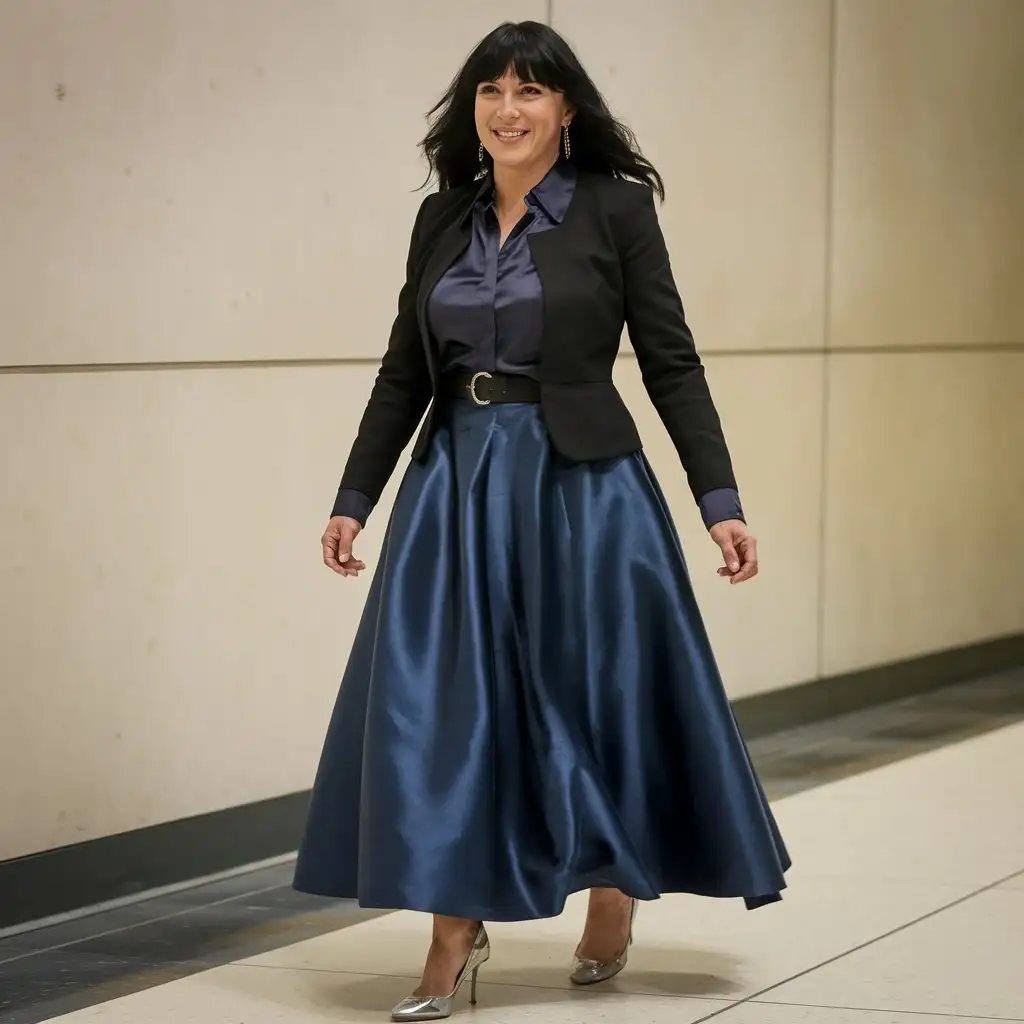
{"x": 537, "y": 53}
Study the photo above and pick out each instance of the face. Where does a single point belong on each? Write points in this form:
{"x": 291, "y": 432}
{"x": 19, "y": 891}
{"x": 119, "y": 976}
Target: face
{"x": 520, "y": 123}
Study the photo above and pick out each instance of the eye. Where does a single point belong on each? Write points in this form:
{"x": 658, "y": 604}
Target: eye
{"x": 532, "y": 90}
{"x": 487, "y": 87}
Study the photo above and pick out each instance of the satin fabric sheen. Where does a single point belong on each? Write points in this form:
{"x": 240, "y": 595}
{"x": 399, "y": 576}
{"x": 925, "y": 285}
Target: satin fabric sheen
{"x": 531, "y": 706}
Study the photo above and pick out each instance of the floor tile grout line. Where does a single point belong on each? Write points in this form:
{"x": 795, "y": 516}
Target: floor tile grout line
{"x": 755, "y": 997}
{"x": 875, "y": 1009}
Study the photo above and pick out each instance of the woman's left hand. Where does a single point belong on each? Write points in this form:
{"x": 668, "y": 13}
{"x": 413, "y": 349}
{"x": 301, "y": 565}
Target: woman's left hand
{"x": 739, "y": 548}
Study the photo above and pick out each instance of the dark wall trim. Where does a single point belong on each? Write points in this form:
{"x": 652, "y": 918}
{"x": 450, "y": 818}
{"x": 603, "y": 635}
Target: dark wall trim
{"x": 73, "y": 877}
{"x": 823, "y": 698}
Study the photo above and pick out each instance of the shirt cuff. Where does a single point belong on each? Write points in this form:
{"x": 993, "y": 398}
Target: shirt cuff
{"x": 353, "y": 504}
{"x": 721, "y": 504}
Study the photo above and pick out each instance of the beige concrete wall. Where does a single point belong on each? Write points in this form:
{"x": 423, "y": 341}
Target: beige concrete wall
{"x": 846, "y": 219}
{"x": 206, "y": 207}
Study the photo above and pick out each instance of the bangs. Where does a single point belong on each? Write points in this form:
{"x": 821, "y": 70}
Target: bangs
{"x": 518, "y": 51}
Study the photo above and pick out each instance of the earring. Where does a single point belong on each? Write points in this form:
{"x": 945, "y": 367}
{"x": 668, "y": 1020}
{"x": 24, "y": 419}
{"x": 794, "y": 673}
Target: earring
{"x": 481, "y": 152}
{"x": 565, "y": 141}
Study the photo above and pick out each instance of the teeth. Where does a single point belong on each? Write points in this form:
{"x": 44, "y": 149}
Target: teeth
{"x": 509, "y": 135}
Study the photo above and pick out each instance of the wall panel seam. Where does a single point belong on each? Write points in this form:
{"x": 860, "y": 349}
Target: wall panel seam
{"x": 713, "y": 353}
{"x": 826, "y": 367}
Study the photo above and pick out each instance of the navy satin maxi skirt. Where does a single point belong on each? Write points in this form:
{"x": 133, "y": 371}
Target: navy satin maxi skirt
{"x": 531, "y": 706}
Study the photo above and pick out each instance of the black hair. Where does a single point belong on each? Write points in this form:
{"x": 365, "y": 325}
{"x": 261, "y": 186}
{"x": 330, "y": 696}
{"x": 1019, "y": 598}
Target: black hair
{"x": 537, "y": 53}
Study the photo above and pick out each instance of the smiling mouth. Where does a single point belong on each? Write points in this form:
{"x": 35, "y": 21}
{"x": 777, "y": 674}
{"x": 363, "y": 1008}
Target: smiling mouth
{"x": 510, "y": 134}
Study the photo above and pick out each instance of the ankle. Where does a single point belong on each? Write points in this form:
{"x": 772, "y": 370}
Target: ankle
{"x": 451, "y": 932}
{"x": 609, "y": 900}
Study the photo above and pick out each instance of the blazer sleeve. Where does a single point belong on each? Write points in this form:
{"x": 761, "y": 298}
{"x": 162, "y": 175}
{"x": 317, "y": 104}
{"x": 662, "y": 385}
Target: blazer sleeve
{"x": 672, "y": 370}
{"x": 400, "y": 394}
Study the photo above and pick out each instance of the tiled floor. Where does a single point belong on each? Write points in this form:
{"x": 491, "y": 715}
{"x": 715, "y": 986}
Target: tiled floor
{"x": 906, "y": 906}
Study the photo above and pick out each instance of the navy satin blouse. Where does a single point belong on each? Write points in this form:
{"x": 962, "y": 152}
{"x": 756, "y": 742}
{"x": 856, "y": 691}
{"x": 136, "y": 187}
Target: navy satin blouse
{"x": 486, "y": 312}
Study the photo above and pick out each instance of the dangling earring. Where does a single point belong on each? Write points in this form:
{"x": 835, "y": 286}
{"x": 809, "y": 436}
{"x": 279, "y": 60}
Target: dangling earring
{"x": 565, "y": 141}
{"x": 481, "y": 152}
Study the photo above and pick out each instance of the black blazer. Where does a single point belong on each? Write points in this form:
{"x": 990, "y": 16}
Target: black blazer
{"x": 605, "y": 265}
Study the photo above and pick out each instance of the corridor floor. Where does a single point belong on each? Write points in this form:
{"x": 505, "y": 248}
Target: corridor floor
{"x": 905, "y": 906}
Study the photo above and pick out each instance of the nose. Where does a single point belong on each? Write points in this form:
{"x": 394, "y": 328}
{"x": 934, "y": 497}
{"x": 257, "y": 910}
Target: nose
{"x": 509, "y": 109}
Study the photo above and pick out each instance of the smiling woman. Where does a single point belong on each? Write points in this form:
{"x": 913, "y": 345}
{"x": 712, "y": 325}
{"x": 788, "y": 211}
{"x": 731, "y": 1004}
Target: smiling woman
{"x": 528, "y": 72}
{"x": 531, "y": 706}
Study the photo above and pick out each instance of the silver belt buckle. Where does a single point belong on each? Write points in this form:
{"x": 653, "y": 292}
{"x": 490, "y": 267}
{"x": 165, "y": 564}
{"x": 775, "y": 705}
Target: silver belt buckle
{"x": 472, "y": 388}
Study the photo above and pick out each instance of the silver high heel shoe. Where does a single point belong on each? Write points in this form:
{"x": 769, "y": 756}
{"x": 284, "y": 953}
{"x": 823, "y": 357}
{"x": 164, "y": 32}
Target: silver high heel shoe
{"x": 440, "y": 1007}
{"x": 590, "y": 972}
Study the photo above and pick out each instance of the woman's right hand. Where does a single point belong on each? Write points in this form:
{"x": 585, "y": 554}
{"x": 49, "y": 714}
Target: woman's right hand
{"x": 337, "y": 542}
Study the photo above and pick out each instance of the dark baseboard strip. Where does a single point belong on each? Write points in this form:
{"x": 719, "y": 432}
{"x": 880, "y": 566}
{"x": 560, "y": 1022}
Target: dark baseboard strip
{"x": 73, "y": 877}
{"x": 828, "y": 697}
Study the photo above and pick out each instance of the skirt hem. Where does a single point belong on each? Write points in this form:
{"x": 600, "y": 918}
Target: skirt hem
{"x": 479, "y": 912}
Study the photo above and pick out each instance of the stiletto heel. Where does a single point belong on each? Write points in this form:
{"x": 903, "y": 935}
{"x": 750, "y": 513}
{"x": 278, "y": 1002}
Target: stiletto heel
{"x": 590, "y": 972}
{"x": 417, "y": 1008}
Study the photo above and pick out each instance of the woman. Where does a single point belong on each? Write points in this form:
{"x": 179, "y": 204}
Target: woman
{"x": 531, "y": 707}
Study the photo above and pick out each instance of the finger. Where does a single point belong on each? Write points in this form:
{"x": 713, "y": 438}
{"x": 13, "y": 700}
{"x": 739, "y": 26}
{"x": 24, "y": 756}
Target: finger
{"x": 749, "y": 567}
{"x": 749, "y": 571}
{"x": 330, "y": 549}
{"x": 345, "y": 539}
{"x": 732, "y": 560}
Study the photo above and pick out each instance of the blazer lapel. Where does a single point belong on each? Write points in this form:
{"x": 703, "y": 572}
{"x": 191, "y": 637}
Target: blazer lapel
{"x": 450, "y": 245}
{"x": 549, "y": 248}
{"x": 545, "y": 250}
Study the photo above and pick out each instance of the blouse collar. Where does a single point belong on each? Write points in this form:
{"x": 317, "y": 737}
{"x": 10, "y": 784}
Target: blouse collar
{"x": 552, "y": 194}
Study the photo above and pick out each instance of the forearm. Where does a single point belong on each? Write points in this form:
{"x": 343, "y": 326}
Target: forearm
{"x": 391, "y": 417}
{"x": 684, "y": 404}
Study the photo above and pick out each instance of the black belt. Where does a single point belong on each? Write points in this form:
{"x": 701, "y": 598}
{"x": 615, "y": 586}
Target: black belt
{"x": 483, "y": 388}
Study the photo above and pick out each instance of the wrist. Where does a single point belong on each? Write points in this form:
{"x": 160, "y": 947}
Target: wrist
{"x": 721, "y": 505}
{"x": 349, "y": 522}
